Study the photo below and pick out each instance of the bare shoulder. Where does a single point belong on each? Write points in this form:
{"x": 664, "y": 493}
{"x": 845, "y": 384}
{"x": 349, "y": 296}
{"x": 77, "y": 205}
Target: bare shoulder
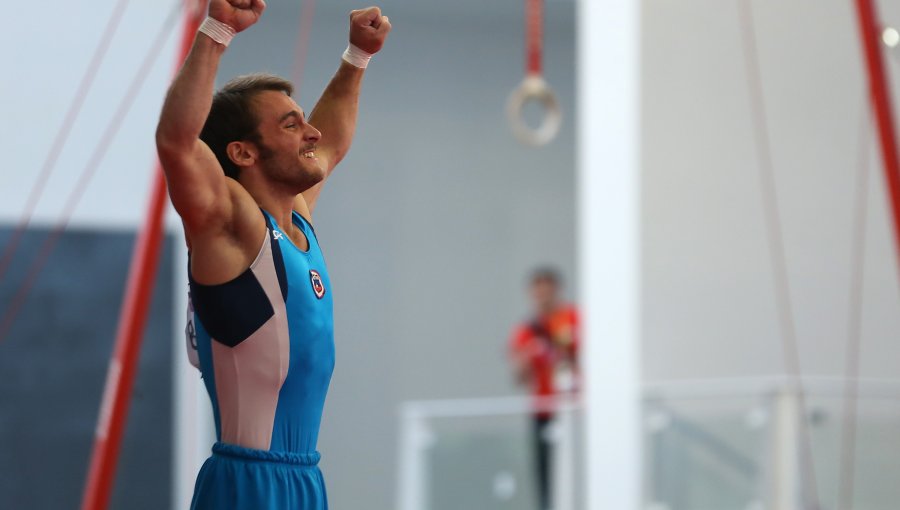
{"x": 226, "y": 249}
{"x": 246, "y": 217}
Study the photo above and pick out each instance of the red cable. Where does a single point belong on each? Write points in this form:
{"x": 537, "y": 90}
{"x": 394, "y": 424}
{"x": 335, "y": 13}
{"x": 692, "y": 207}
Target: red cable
{"x": 84, "y": 179}
{"x": 62, "y": 136}
{"x": 123, "y": 364}
{"x": 881, "y": 102}
{"x": 534, "y": 37}
{"x": 307, "y": 12}
{"x": 790, "y": 349}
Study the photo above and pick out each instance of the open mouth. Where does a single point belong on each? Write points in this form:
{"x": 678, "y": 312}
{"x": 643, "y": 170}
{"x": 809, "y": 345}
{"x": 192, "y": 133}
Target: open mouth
{"x": 309, "y": 154}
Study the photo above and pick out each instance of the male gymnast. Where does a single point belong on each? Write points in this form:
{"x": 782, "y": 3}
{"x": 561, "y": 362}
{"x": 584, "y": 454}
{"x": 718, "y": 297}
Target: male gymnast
{"x": 245, "y": 169}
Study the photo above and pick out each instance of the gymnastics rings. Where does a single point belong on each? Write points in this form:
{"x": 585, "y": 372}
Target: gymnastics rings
{"x": 534, "y": 88}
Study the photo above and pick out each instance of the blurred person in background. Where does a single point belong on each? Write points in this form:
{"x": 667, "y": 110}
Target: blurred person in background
{"x": 544, "y": 353}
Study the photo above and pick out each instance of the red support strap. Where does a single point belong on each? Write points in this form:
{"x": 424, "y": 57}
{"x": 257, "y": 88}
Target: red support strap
{"x": 307, "y": 11}
{"x": 132, "y": 320}
{"x": 533, "y": 86}
{"x": 881, "y": 102}
{"x": 534, "y": 36}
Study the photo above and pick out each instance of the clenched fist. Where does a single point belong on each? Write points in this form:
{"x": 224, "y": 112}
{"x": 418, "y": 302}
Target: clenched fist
{"x": 368, "y": 29}
{"x": 238, "y": 14}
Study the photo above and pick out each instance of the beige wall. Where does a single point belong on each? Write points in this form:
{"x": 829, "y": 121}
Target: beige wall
{"x": 709, "y": 308}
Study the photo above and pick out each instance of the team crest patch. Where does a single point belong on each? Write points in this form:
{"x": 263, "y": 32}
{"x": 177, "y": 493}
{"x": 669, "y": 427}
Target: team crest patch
{"x": 316, "y": 279}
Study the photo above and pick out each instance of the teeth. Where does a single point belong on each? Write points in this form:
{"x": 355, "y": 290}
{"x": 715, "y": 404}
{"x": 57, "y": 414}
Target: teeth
{"x": 309, "y": 154}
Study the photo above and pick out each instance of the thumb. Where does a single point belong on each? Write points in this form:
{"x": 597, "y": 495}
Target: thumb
{"x": 258, "y": 6}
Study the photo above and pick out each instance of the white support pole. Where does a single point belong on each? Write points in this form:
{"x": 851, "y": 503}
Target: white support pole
{"x": 564, "y": 468}
{"x": 609, "y": 247}
{"x": 785, "y": 458}
{"x": 415, "y": 439}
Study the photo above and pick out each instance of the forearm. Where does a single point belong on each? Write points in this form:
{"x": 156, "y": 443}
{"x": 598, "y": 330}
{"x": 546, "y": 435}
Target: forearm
{"x": 336, "y": 111}
{"x": 189, "y": 98}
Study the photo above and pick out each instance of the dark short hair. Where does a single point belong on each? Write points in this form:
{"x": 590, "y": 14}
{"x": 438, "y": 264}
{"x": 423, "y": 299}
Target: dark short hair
{"x": 231, "y": 117}
{"x": 545, "y": 274}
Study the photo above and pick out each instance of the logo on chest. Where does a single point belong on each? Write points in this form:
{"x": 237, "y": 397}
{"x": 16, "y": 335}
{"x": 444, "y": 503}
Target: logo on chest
{"x": 316, "y": 280}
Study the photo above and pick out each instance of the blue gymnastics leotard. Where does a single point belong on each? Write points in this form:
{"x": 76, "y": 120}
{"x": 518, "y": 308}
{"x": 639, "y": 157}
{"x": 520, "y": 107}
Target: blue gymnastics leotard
{"x": 264, "y": 343}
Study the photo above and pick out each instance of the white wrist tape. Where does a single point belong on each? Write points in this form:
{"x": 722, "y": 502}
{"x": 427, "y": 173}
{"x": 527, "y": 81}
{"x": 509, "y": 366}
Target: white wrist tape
{"x": 217, "y": 31}
{"x": 357, "y": 57}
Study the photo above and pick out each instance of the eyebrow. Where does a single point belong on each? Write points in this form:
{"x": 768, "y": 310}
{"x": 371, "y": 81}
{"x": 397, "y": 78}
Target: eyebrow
{"x": 292, "y": 113}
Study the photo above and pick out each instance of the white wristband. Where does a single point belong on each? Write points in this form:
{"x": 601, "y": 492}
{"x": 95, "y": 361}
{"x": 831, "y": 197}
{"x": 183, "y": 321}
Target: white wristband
{"x": 217, "y": 31}
{"x": 357, "y": 57}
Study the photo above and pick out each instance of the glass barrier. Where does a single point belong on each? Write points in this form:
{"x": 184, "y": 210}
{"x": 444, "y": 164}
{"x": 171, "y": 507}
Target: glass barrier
{"x": 483, "y": 454}
{"x": 714, "y": 445}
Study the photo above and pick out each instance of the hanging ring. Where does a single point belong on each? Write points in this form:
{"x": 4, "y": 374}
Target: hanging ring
{"x": 534, "y": 88}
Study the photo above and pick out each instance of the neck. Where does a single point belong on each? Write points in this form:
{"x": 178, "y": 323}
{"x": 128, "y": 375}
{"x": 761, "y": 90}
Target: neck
{"x": 548, "y": 309}
{"x": 274, "y": 199}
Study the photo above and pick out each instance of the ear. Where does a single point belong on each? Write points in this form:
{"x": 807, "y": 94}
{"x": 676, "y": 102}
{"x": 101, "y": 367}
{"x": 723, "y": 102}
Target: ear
{"x": 242, "y": 154}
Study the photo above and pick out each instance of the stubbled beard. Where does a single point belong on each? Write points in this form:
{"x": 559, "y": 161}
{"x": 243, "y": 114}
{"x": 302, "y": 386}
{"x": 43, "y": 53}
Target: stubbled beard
{"x": 294, "y": 177}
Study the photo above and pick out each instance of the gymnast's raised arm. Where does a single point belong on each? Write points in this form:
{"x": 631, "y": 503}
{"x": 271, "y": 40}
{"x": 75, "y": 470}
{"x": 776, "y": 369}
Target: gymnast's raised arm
{"x": 335, "y": 113}
{"x": 197, "y": 184}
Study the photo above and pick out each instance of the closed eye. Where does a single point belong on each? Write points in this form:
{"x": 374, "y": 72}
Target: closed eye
{"x": 294, "y": 118}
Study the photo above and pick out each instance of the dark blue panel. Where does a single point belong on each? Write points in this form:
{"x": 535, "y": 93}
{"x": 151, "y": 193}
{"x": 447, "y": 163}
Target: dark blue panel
{"x": 279, "y": 262}
{"x": 232, "y": 311}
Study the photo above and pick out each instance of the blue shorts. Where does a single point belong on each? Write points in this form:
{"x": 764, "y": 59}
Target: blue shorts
{"x": 245, "y": 479}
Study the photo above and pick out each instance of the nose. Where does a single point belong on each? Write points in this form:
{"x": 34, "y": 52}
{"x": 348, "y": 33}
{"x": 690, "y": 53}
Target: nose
{"x": 311, "y": 134}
